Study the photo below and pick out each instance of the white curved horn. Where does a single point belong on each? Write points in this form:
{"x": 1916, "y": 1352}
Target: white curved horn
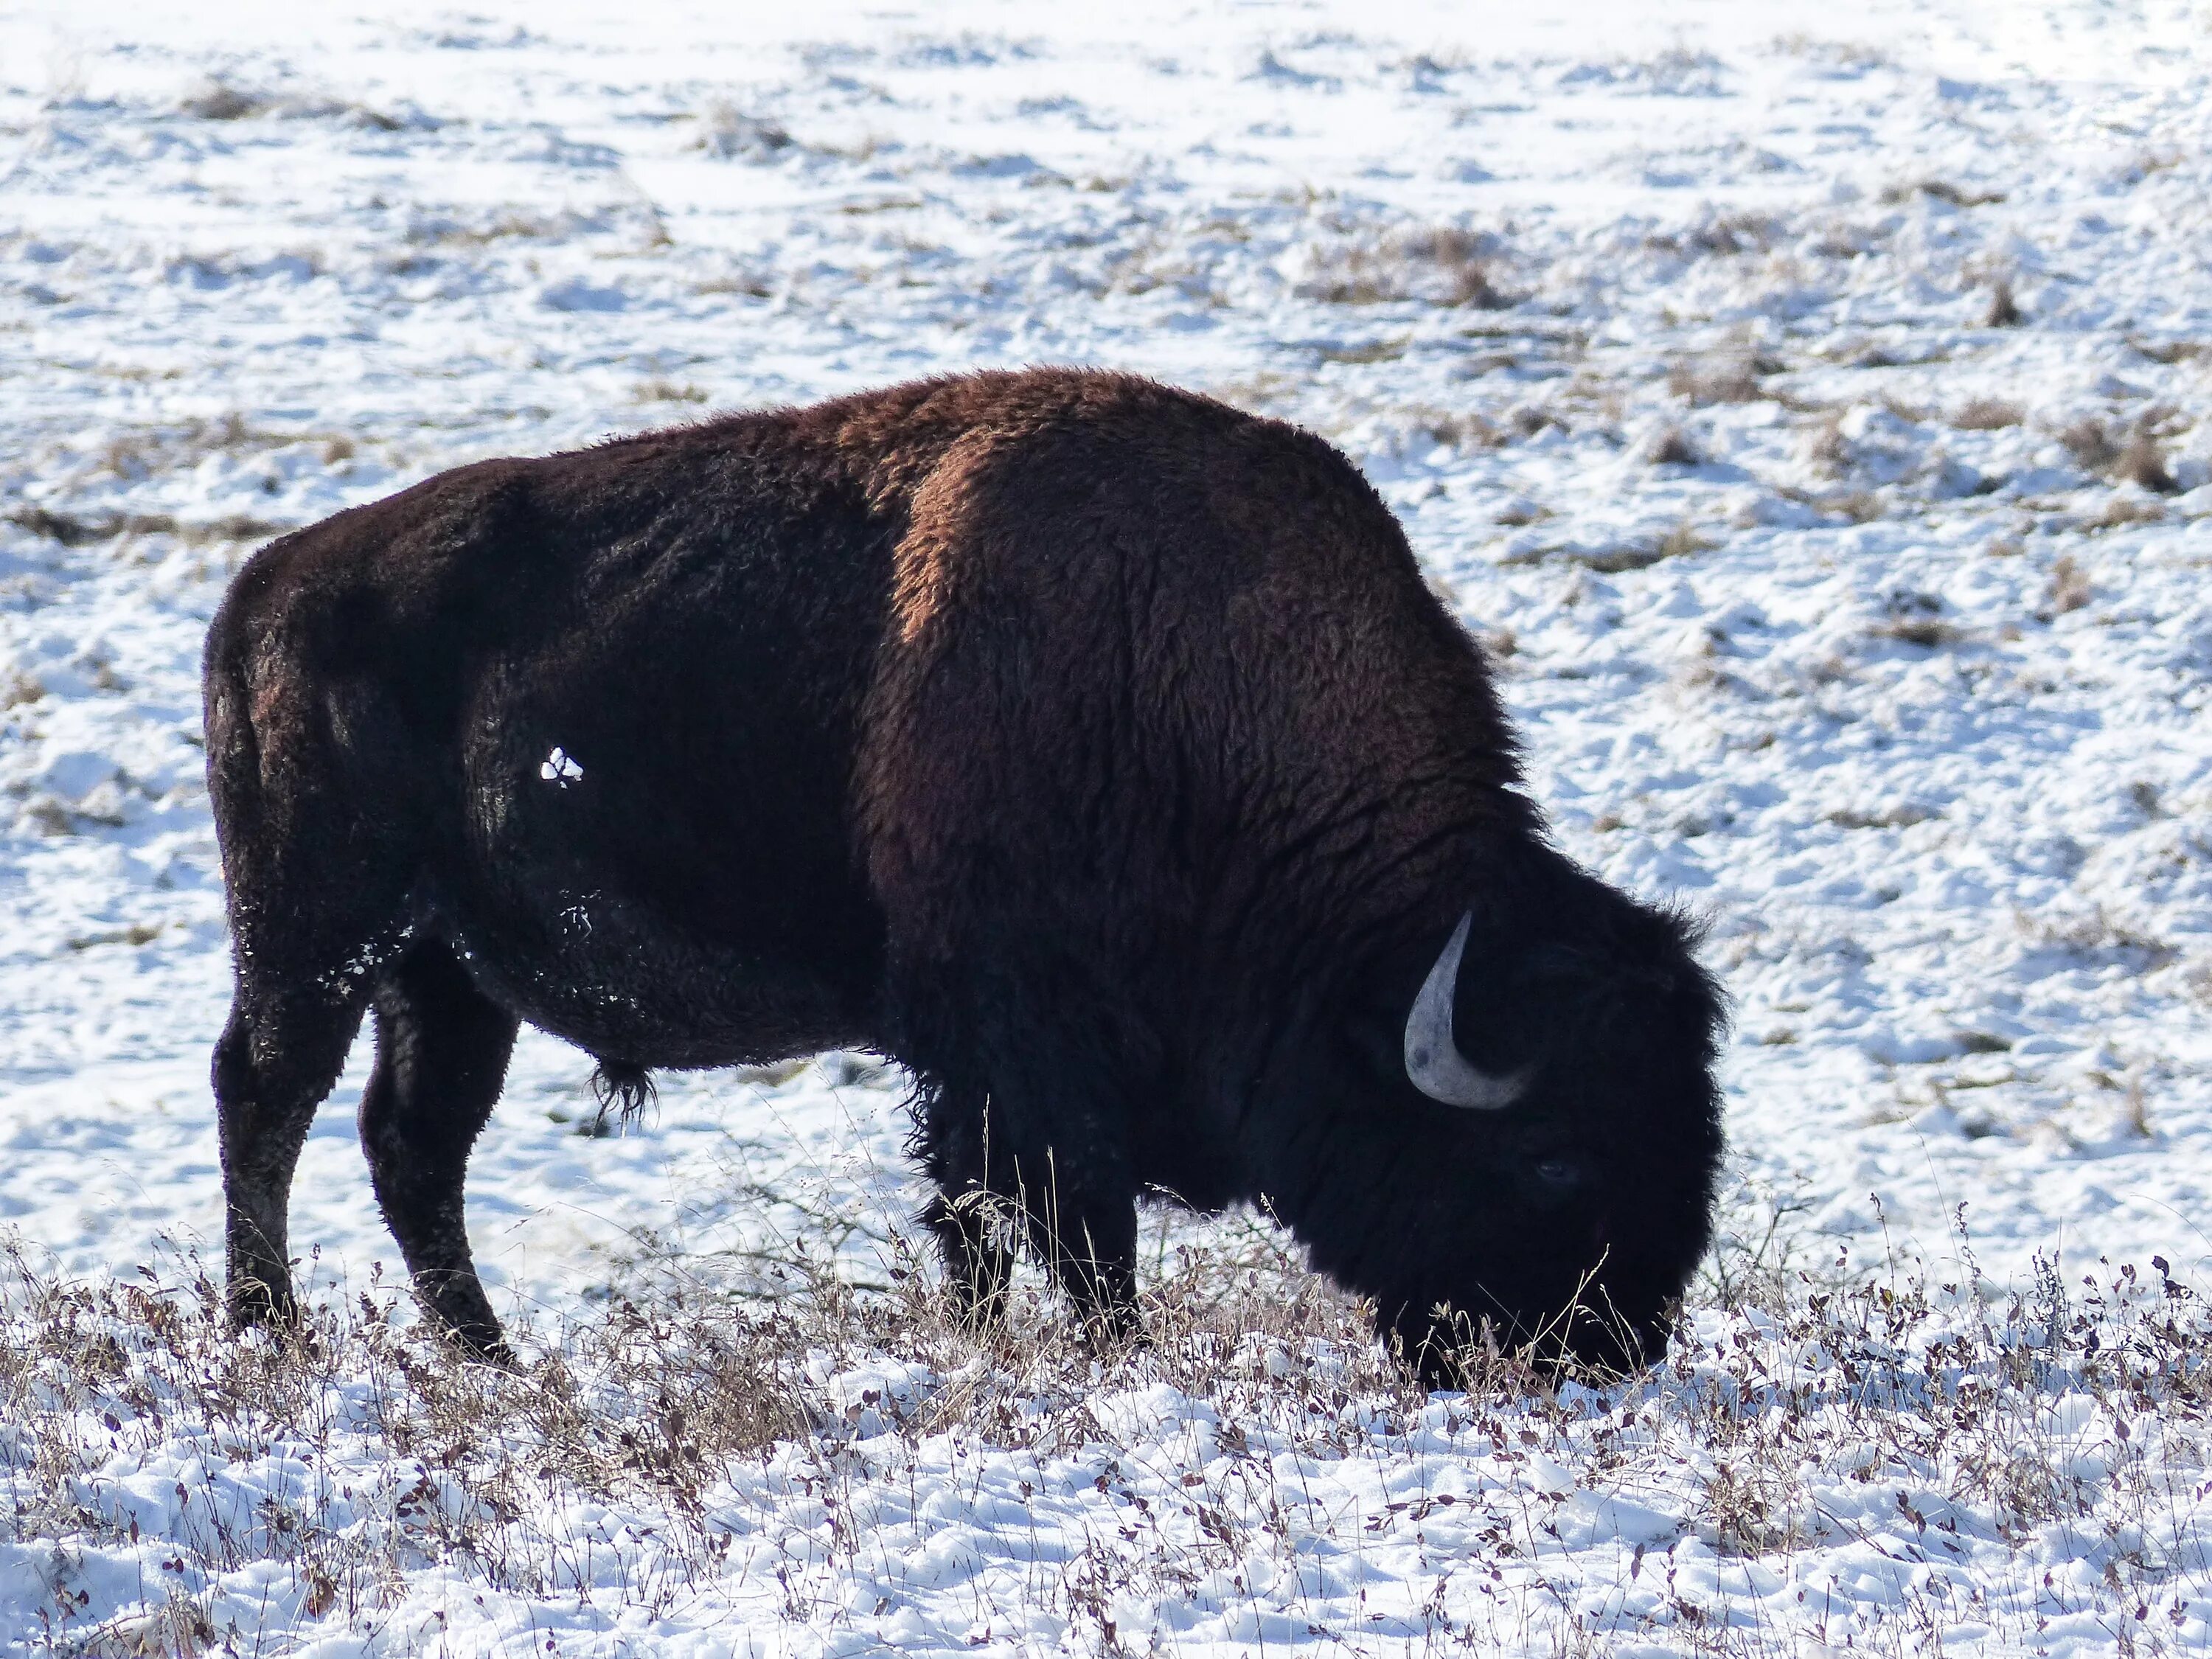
{"x": 1433, "y": 1060}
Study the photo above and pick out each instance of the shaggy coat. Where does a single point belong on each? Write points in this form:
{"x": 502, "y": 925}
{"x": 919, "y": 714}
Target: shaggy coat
{"x": 1094, "y": 750}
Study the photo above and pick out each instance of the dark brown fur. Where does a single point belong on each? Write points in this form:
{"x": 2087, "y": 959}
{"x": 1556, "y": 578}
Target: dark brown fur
{"x": 1093, "y": 749}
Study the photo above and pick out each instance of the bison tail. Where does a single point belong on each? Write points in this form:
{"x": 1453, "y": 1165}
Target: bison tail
{"x": 623, "y": 1090}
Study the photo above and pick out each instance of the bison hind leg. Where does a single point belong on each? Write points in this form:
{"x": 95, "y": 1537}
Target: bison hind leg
{"x": 276, "y": 1060}
{"x": 441, "y": 1053}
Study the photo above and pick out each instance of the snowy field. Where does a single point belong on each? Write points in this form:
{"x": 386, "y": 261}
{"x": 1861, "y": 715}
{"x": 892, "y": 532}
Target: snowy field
{"x": 1809, "y": 405}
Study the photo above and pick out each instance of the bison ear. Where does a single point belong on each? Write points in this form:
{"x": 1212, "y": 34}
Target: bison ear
{"x": 1434, "y": 1061}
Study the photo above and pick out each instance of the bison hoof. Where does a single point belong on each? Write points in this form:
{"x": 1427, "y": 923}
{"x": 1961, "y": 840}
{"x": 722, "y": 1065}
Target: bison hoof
{"x": 495, "y": 1353}
{"x": 254, "y": 1304}
{"x": 477, "y": 1343}
{"x": 1114, "y": 1330}
{"x": 979, "y": 1303}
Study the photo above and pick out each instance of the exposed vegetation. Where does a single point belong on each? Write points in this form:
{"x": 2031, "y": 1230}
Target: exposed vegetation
{"x": 2015, "y": 1463}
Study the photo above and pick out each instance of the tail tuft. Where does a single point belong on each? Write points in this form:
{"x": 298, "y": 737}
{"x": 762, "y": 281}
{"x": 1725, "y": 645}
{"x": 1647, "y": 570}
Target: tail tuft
{"x": 623, "y": 1090}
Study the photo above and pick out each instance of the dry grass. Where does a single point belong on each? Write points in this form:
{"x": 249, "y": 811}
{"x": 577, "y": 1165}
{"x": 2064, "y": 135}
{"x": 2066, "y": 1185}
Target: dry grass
{"x": 133, "y": 454}
{"x": 2121, "y": 511}
{"x": 1859, "y": 505}
{"x": 1683, "y": 540}
{"x": 1927, "y": 632}
{"x": 752, "y": 288}
{"x": 1941, "y": 190}
{"x": 2096, "y": 936}
{"x": 667, "y": 392}
{"x": 2141, "y": 464}
{"x": 1799, "y": 1413}
{"x": 650, "y": 1401}
{"x": 2091, "y": 443}
{"x": 2170, "y": 352}
{"x": 1918, "y": 619}
{"x": 1889, "y": 818}
{"x": 2129, "y": 456}
{"x": 137, "y": 933}
{"x": 219, "y": 101}
{"x": 504, "y": 224}
{"x": 73, "y": 530}
{"x": 1465, "y": 429}
{"x": 1827, "y": 450}
{"x": 727, "y": 131}
{"x": 1443, "y": 267}
{"x": 1988, "y": 415}
{"x": 1729, "y": 378}
{"x": 1724, "y": 234}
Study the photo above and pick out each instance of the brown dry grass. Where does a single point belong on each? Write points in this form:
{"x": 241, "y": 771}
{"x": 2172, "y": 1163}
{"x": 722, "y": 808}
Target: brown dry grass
{"x": 2170, "y": 352}
{"x": 1730, "y": 378}
{"x": 1787, "y": 1387}
{"x": 1927, "y": 632}
{"x": 1988, "y": 415}
{"x": 2120, "y": 511}
{"x": 2142, "y": 462}
{"x": 727, "y": 131}
{"x": 667, "y": 392}
{"x": 1826, "y": 450}
{"x": 220, "y": 101}
{"x": 2091, "y": 443}
{"x": 2125, "y": 455}
{"x": 1444, "y": 267}
{"x": 71, "y": 529}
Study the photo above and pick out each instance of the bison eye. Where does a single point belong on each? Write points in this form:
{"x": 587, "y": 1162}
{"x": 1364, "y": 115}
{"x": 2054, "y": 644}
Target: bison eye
{"x": 1558, "y": 1172}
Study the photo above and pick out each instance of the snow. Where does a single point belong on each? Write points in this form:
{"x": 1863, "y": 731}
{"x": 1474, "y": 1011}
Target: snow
{"x": 1824, "y": 606}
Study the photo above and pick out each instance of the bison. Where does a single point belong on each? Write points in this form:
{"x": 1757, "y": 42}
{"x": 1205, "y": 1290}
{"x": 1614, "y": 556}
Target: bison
{"x": 1094, "y": 750}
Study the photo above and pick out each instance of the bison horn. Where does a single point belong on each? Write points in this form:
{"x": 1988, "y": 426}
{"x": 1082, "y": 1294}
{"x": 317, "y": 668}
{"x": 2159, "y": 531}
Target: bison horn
{"x": 1433, "y": 1060}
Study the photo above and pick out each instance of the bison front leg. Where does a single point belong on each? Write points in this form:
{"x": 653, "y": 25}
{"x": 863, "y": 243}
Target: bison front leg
{"x": 1077, "y": 1213}
{"x": 1082, "y": 1224}
{"x": 441, "y": 1053}
{"x": 977, "y": 1264}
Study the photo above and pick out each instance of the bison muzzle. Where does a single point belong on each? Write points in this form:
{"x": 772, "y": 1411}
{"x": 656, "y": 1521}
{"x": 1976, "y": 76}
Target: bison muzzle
{"x": 1094, "y": 750}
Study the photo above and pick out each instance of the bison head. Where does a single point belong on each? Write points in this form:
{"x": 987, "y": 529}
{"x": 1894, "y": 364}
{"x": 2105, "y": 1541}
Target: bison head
{"x": 1529, "y": 1139}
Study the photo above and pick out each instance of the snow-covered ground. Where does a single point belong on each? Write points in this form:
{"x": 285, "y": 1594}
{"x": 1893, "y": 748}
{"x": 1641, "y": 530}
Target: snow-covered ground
{"x": 1808, "y": 405}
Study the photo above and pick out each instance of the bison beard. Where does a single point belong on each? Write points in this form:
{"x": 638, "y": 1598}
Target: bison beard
{"x": 1096, "y": 751}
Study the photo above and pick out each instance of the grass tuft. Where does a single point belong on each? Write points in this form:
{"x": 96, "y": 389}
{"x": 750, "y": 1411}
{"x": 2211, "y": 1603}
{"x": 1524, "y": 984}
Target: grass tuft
{"x": 1988, "y": 415}
{"x": 728, "y": 132}
{"x": 1442, "y": 267}
{"x": 2140, "y": 462}
{"x": 219, "y": 101}
{"x": 1732, "y": 377}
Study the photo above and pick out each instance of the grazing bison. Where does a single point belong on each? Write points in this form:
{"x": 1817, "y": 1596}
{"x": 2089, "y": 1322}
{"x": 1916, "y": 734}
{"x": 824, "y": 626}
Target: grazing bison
{"x": 1096, "y": 751}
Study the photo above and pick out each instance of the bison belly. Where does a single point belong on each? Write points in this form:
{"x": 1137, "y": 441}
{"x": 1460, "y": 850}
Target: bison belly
{"x": 660, "y": 888}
